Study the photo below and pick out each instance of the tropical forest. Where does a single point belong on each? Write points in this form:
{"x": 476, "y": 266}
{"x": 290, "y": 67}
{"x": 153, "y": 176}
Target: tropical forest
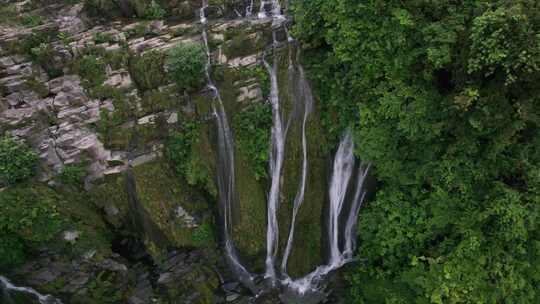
{"x": 269, "y": 151}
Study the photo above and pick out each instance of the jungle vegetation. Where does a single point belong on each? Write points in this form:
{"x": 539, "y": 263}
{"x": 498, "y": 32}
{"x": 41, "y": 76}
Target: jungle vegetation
{"x": 444, "y": 100}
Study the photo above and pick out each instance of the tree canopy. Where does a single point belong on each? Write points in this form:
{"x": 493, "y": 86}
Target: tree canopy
{"x": 446, "y": 99}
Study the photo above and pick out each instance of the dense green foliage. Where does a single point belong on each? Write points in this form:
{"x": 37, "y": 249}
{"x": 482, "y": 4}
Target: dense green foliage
{"x": 72, "y": 175}
{"x": 154, "y": 11}
{"x": 28, "y": 218}
{"x": 203, "y": 235}
{"x": 10, "y": 15}
{"x": 17, "y": 161}
{"x": 33, "y": 216}
{"x": 92, "y": 70}
{"x": 179, "y": 151}
{"x": 186, "y": 64}
{"x": 147, "y": 70}
{"x": 252, "y": 127}
{"x": 43, "y": 55}
{"x": 444, "y": 100}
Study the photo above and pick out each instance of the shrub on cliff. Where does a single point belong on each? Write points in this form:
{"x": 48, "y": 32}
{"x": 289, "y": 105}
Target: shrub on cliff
{"x": 147, "y": 70}
{"x": 44, "y": 56}
{"x": 253, "y": 126}
{"x": 72, "y": 175}
{"x": 102, "y": 8}
{"x": 186, "y": 65}
{"x": 154, "y": 11}
{"x": 17, "y": 161}
{"x": 28, "y": 218}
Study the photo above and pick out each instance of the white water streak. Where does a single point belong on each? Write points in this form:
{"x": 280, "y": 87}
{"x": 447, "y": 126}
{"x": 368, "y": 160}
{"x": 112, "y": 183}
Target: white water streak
{"x": 350, "y": 227}
{"x": 262, "y": 11}
{"x": 306, "y": 94}
{"x": 275, "y": 12}
{"x": 276, "y": 164}
{"x": 226, "y": 174}
{"x": 249, "y": 9}
{"x": 342, "y": 172}
{"x": 43, "y": 299}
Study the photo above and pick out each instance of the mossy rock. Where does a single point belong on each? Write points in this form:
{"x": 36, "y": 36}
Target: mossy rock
{"x": 110, "y": 195}
{"x": 41, "y": 214}
{"x": 198, "y": 285}
{"x": 162, "y": 193}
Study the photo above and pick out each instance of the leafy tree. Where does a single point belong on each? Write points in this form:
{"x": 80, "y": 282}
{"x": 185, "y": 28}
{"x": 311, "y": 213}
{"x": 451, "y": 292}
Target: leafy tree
{"x": 28, "y": 218}
{"x": 186, "y": 65}
{"x": 17, "y": 161}
{"x": 147, "y": 70}
{"x": 445, "y": 105}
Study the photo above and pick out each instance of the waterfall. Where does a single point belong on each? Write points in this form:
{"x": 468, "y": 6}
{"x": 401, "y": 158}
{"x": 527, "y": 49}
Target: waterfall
{"x": 276, "y": 164}
{"x": 226, "y": 173}
{"x": 343, "y": 167}
{"x": 43, "y": 299}
{"x": 306, "y": 95}
{"x": 249, "y": 9}
{"x": 346, "y": 191}
{"x": 342, "y": 172}
{"x": 262, "y": 10}
{"x": 275, "y": 10}
{"x": 358, "y": 199}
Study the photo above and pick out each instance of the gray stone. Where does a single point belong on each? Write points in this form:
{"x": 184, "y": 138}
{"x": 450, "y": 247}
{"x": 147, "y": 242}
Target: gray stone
{"x": 113, "y": 266}
{"x": 6, "y": 62}
{"x": 165, "y": 278}
{"x": 156, "y": 27}
{"x": 232, "y": 297}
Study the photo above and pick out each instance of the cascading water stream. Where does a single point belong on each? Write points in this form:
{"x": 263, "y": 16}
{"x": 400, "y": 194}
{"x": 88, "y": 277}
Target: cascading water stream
{"x": 341, "y": 186}
{"x": 249, "y": 9}
{"x": 276, "y": 165}
{"x": 275, "y": 10}
{"x": 306, "y": 94}
{"x": 226, "y": 172}
{"x": 43, "y": 299}
{"x": 343, "y": 167}
{"x": 262, "y": 11}
{"x": 350, "y": 226}
{"x": 341, "y": 177}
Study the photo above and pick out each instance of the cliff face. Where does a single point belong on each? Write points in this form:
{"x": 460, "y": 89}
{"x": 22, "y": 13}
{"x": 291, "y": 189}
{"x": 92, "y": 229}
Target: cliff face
{"x": 87, "y": 87}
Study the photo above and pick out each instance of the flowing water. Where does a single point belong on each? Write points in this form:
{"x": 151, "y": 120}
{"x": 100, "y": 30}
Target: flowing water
{"x": 249, "y": 8}
{"x": 344, "y": 165}
{"x": 226, "y": 173}
{"x": 346, "y": 191}
{"x": 276, "y": 164}
{"x": 10, "y": 288}
{"x": 343, "y": 169}
{"x": 358, "y": 199}
{"x": 275, "y": 10}
{"x": 341, "y": 186}
{"x": 304, "y": 93}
